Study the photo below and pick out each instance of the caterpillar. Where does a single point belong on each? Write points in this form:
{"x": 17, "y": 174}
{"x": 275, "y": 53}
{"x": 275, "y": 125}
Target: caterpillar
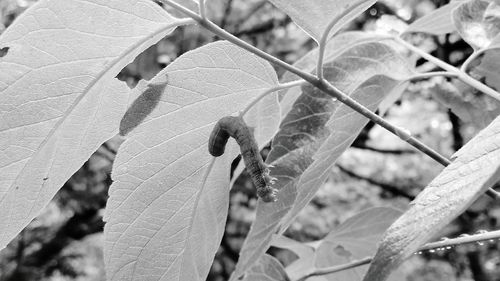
{"x": 231, "y": 126}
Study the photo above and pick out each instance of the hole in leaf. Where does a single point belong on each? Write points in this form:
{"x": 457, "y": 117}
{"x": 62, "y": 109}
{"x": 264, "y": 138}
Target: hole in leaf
{"x": 4, "y": 51}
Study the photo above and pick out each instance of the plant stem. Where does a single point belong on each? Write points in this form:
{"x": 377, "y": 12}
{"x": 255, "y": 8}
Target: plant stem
{"x": 326, "y": 34}
{"x": 269, "y": 91}
{"x": 325, "y": 86}
{"x": 429, "y": 246}
{"x": 202, "y": 9}
{"x": 337, "y": 268}
{"x": 431, "y": 74}
{"x": 471, "y": 58}
{"x": 462, "y": 240}
{"x": 450, "y": 68}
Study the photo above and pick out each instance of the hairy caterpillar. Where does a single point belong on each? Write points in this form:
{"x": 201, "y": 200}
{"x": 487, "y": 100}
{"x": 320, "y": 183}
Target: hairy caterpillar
{"x": 235, "y": 127}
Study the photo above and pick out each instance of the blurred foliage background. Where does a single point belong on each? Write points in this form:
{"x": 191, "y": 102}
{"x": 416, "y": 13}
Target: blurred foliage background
{"x": 65, "y": 241}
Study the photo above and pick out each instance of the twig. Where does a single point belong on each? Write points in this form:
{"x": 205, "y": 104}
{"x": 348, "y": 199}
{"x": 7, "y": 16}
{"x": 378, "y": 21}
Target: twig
{"x": 471, "y": 58}
{"x": 450, "y": 68}
{"x": 326, "y": 87}
{"x": 446, "y": 244}
{"x": 426, "y": 75}
{"x": 464, "y": 239}
{"x": 333, "y": 269}
{"x": 269, "y": 91}
{"x": 387, "y": 187}
{"x": 202, "y": 9}
{"x": 326, "y": 34}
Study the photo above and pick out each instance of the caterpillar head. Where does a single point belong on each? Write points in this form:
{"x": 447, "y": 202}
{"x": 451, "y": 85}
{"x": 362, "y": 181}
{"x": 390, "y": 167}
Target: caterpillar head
{"x": 268, "y": 193}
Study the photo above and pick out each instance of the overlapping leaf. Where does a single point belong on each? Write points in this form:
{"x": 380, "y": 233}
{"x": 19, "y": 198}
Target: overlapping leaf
{"x": 488, "y": 68}
{"x": 354, "y": 239}
{"x": 477, "y": 22}
{"x": 476, "y": 108}
{"x": 165, "y": 220}
{"x": 437, "y": 22}
{"x": 334, "y": 48}
{"x": 306, "y": 135}
{"x": 314, "y": 16}
{"x": 475, "y": 168}
{"x": 60, "y": 100}
{"x": 267, "y": 268}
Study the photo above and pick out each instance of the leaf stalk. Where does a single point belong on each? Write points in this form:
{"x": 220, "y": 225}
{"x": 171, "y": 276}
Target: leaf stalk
{"x": 464, "y": 77}
{"x": 324, "y": 37}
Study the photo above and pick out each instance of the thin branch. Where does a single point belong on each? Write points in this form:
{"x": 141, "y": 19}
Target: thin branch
{"x": 269, "y": 91}
{"x": 326, "y": 34}
{"x": 324, "y": 86}
{"x": 463, "y": 239}
{"x": 382, "y": 150}
{"x": 333, "y": 269}
{"x": 471, "y": 58}
{"x": 203, "y": 13}
{"x": 426, "y": 75}
{"x": 450, "y": 68}
{"x": 443, "y": 244}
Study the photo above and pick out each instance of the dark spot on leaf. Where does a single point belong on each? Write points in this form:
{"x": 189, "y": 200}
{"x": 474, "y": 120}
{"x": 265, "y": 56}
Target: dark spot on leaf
{"x": 141, "y": 108}
{"x": 4, "y": 51}
{"x": 341, "y": 251}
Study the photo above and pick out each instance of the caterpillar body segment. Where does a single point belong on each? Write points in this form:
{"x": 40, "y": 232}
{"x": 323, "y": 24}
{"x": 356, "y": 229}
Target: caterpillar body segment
{"x": 232, "y": 126}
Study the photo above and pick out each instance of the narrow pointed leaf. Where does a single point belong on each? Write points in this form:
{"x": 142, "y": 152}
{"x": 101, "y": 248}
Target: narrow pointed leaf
{"x": 60, "y": 100}
{"x": 360, "y": 72}
{"x": 437, "y": 22}
{"x": 314, "y": 16}
{"x": 475, "y": 168}
{"x": 164, "y": 222}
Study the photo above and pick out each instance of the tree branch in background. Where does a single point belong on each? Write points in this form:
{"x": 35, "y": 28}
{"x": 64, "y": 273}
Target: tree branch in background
{"x": 386, "y": 187}
{"x": 250, "y": 13}
{"x": 227, "y": 12}
{"x": 384, "y": 151}
{"x": 263, "y": 27}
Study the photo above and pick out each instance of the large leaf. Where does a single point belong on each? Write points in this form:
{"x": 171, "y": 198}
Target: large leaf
{"x": 164, "y": 221}
{"x": 354, "y": 239}
{"x": 60, "y": 100}
{"x": 437, "y": 22}
{"x": 362, "y": 72}
{"x": 313, "y": 16}
{"x": 475, "y": 168}
{"x": 267, "y": 268}
{"x": 477, "y": 22}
